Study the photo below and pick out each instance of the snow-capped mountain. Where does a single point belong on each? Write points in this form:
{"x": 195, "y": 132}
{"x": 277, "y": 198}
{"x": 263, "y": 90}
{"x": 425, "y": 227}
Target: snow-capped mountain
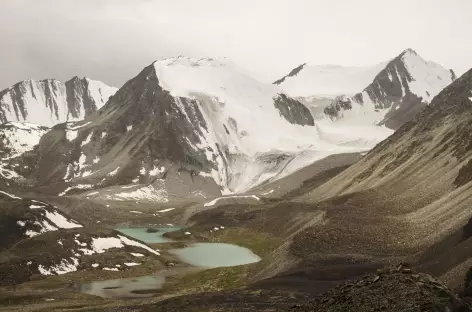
{"x": 49, "y": 102}
{"x": 392, "y": 92}
{"x": 188, "y": 128}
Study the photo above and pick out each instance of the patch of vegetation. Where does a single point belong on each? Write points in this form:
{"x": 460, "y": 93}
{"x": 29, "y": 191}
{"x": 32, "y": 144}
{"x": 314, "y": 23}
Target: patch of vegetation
{"x": 258, "y": 242}
{"x": 212, "y": 280}
{"x": 9, "y": 299}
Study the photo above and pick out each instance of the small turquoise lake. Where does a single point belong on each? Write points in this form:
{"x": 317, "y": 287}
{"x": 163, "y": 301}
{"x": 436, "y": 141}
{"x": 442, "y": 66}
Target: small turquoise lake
{"x": 215, "y": 255}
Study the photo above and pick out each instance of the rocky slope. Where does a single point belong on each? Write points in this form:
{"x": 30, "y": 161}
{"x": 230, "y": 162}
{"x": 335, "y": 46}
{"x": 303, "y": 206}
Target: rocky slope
{"x": 392, "y": 92}
{"x": 36, "y": 238}
{"x": 188, "y": 128}
{"x": 391, "y": 289}
{"x": 49, "y": 102}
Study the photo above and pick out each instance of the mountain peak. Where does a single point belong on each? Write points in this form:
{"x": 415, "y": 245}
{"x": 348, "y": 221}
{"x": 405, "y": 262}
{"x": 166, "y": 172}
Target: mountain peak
{"x": 75, "y": 79}
{"x": 409, "y": 51}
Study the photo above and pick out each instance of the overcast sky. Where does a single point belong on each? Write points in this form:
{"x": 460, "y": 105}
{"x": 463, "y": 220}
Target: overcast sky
{"x": 112, "y": 40}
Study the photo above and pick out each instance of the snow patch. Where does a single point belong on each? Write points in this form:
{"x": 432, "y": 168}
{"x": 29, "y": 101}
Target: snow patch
{"x": 166, "y": 210}
{"x": 77, "y": 127}
{"x": 65, "y": 266}
{"x": 110, "y": 269}
{"x": 60, "y": 221}
{"x": 213, "y": 202}
{"x": 139, "y": 255}
{"x": 102, "y": 244}
{"x": 128, "y": 186}
{"x": 71, "y": 135}
{"x": 10, "y": 195}
{"x": 144, "y": 193}
{"x": 156, "y": 170}
{"x": 76, "y": 187}
{"x": 87, "y": 140}
{"x": 114, "y": 172}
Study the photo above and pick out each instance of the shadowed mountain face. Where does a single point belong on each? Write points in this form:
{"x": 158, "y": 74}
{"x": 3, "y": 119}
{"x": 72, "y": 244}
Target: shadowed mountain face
{"x": 143, "y": 135}
{"x": 49, "y": 102}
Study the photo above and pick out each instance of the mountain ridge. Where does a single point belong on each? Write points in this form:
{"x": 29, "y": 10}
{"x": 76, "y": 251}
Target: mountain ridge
{"x": 186, "y": 127}
{"x": 49, "y": 101}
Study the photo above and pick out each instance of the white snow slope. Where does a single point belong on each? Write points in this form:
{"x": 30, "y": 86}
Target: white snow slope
{"x": 227, "y": 95}
{"x": 330, "y": 80}
{"x": 45, "y": 102}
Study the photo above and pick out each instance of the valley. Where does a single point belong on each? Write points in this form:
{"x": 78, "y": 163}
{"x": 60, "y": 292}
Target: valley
{"x": 196, "y": 187}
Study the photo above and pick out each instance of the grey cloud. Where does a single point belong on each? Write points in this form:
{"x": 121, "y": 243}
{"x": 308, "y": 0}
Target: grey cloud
{"x": 112, "y": 40}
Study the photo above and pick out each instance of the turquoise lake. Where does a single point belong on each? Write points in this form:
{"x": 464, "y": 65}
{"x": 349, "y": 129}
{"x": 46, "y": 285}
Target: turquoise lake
{"x": 215, "y": 255}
